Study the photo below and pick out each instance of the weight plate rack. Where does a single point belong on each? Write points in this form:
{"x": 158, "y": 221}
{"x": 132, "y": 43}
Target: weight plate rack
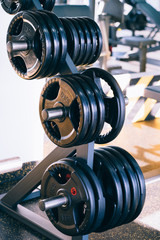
{"x": 82, "y": 190}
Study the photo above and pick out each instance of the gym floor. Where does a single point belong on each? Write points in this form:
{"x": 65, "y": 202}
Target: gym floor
{"x": 144, "y": 145}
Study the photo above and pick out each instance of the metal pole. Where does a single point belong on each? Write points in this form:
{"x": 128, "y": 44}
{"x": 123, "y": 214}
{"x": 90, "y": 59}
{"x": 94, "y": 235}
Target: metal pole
{"x": 92, "y": 8}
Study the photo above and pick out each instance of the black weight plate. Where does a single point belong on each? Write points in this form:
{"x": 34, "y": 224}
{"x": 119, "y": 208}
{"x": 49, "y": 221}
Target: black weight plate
{"x": 87, "y": 38}
{"x": 13, "y": 7}
{"x": 93, "y": 39}
{"x": 72, "y": 129}
{"x": 93, "y": 107}
{"x": 55, "y": 43}
{"x": 140, "y": 179}
{"x": 72, "y": 39}
{"x": 63, "y": 40}
{"x": 124, "y": 183}
{"x": 42, "y": 17}
{"x": 98, "y": 33}
{"x": 114, "y": 107}
{"x": 85, "y": 108}
{"x": 28, "y": 64}
{"x": 135, "y": 193}
{"x": 112, "y": 191}
{"x": 81, "y": 36}
{"x": 47, "y": 4}
{"x": 48, "y": 51}
{"x": 98, "y": 193}
{"x": 77, "y": 217}
{"x": 100, "y": 106}
{"x": 48, "y": 42}
{"x": 114, "y": 118}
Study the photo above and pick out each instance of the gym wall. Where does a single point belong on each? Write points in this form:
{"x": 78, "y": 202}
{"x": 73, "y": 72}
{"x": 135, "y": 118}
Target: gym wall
{"x": 21, "y": 134}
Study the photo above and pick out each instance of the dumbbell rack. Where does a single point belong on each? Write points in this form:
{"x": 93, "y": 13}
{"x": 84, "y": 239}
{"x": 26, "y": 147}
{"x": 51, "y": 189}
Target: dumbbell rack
{"x": 11, "y": 201}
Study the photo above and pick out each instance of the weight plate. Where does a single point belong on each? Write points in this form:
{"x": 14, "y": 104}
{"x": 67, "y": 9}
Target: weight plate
{"x": 55, "y": 44}
{"x": 135, "y": 193}
{"x": 112, "y": 190}
{"x": 114, "y": 106}
{"x": 99, "y": 40}
{"x": 68, "y": 131}
{"x": 140, "y": 179}
{"x": 82, "y": 44}
{"x": 72, "y": 39}
{"x": 24, "y": 29}
{"x": 77, "y": 216}
{"x": 39, "y": 16}
{"x": 87, "y": 38}
{"x": 13, "y": 7}
{"x": 100, "y": 106}
{"x": 98, "y": 193}
{"x": 85, "y": 108}
{"x": 63, "y": 40}
{"x": 93, "y": 107}
{"x": 93, "y": 39}
{"x": 124, "y": 183}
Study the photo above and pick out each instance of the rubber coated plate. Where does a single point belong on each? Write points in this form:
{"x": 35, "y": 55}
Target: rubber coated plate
{"x": 124, "y": 183}
{"x": 100, "y": 106}
{"x": 93, "y": 107}
{"x": 77, "y": 217}
{"x": 63, "y": 93}
{"x": 93, "y": 39}
{"x": 52, "y": 68}
{"x": 63, "y": 40}
{"x": 87, "y": 39}
{"x": 41, "y": 21}
{"x": 140, "y": 179}
{"x": 98, "y": 194}
{"x": 99, "y": 41}
{"x": 72, "y": 39}
{"x": 114, "y": 106}
{"x": 39, "y": 18}
{"x": 81, "y": 37}
{"x": 135, "y": 193}
{"x": 12, "y": 7}
{"x": 112, "y": 191}
{"x": 28, "y": 64}
{"x": 85, "y": 108}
